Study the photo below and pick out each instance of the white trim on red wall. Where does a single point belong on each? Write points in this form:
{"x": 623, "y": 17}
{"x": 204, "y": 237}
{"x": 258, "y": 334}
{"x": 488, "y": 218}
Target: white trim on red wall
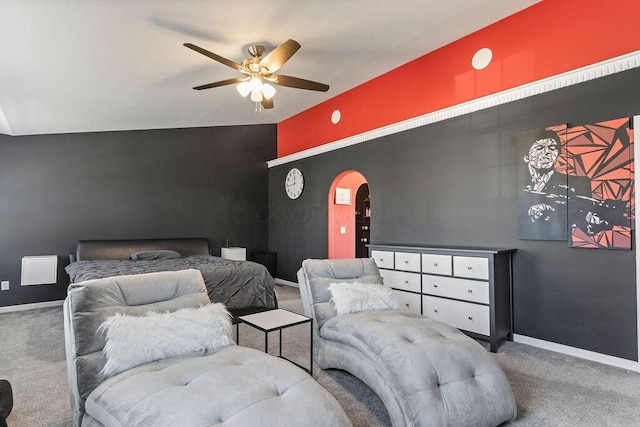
{"x": 580, "y": 75}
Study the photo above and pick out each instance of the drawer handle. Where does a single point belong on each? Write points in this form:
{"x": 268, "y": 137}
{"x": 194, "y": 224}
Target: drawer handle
{"x": 381, "y": 259}
{"x": 435, "y": 285}
{"x": 469, "y": 290}
{"x": 469, "y": 267}
{"x": 435, "y": 264}
{"x": 470, "y": 318}
{"x": 406, "y": 282}
{"x": 435, "y": 310}
{"x": 406, "y": 261}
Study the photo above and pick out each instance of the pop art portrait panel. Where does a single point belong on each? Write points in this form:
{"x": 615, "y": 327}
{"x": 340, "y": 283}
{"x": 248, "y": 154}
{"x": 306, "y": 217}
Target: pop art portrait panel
{"x": 542, "y": 184}
{"x": 600, "y": 172}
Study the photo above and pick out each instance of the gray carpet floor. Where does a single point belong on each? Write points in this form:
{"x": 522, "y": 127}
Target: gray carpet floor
{"x": 551, "y": 389}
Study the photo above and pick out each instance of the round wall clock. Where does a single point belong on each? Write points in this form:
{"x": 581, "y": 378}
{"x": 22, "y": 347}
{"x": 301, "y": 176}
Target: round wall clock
{"x": 294, "y": 184}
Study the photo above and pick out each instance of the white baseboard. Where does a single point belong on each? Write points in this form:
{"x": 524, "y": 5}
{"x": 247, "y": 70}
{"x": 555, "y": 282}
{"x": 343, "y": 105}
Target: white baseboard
{"x": 286, "y": 283}
{"x": 578, "y": 352}
{"x": 22, "y": 307}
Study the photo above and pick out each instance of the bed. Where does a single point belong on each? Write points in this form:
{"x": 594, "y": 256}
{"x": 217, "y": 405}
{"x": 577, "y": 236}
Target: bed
{"x": 243, "y": 286}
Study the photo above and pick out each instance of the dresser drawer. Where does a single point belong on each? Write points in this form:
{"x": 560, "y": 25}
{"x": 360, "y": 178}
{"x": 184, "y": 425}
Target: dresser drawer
{"x": 436, "y": 264}
{"x": 383, "y": 259}
{"x": 462, "y": 315}
{"x": 452, "y": 287}
{"x": 473, "y": 267}
{"x": 407, "y": 261}
{"x": 410, "y": 301}
{"x": 401, "y": 280}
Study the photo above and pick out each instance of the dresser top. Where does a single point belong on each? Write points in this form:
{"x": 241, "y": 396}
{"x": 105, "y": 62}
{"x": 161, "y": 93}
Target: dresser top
{"x": 439, "y": 248}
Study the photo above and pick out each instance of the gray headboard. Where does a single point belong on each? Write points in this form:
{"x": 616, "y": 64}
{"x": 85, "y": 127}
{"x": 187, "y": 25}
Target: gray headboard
{"x": 122, "y": 249}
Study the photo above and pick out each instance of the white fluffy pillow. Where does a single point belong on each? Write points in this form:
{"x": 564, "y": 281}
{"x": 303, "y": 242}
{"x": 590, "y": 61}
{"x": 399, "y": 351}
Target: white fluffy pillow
{"x": 135, "y": 340}
{"x": 354, "y": 297}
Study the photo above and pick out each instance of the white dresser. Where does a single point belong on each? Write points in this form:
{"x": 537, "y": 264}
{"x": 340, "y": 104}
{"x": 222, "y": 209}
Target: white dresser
{"x": 468, "y": 288}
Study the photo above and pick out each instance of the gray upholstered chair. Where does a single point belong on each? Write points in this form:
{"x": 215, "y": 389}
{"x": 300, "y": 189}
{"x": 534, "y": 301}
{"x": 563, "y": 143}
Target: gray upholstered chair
{"x": 425, "y": 371}
{"x": 236, "y": 386}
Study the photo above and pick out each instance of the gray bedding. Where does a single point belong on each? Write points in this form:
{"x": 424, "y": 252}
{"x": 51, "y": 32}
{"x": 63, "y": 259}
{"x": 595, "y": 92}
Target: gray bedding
{"x": 237, "y": 284}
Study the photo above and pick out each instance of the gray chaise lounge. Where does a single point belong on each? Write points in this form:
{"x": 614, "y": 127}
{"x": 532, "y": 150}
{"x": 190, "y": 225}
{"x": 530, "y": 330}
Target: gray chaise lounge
{"x": 426, "y": 372}
{"x": 236, "y": 386}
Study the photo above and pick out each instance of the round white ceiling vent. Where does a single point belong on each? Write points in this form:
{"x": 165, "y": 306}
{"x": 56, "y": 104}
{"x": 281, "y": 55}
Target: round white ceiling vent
{"x": 335, "y": 116}
{"x": 482, "y": 58}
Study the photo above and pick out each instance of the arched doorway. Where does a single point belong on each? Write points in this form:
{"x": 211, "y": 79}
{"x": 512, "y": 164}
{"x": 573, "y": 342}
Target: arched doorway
{"x": 345, "y": 189}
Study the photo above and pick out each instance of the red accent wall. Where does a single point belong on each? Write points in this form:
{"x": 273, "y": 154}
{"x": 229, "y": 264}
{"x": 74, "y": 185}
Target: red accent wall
{"x": 546, "y": 39}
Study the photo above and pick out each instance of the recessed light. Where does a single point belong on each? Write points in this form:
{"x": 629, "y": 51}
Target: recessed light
{"x": 335, "y": 116}
{"x": 482, "y": 58}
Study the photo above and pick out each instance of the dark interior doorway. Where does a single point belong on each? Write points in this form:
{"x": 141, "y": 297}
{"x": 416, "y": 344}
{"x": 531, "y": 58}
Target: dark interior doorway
{"x": 363, "y": 221}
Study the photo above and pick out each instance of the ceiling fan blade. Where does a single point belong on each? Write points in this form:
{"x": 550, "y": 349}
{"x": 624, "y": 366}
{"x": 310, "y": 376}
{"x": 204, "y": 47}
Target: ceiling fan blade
{"x": 278, "y": 56}
{"x": 298, "y": 83}
{"x": 220, "y": 83}
{"x": 267, "y": 103}
{"x": 215, "y": 57}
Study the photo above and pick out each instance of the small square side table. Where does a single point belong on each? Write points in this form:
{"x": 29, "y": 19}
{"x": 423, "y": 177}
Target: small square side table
{"x": 277, "y": 320}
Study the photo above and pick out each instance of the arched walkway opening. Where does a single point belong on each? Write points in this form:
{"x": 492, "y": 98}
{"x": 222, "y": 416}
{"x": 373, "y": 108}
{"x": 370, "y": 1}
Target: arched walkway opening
{"x": 346, "y": 202}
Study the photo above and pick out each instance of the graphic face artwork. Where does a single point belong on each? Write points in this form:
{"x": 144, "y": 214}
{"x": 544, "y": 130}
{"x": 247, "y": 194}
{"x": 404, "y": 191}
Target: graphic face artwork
{"x": 543, "y": 153}
{"x": 542, "y": 188}
{"x": 542, "y": 156}
{"x": 577, "y": 184}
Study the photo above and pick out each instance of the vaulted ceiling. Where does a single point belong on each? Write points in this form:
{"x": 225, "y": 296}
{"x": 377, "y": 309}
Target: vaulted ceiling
{"x": 85, "y": 66}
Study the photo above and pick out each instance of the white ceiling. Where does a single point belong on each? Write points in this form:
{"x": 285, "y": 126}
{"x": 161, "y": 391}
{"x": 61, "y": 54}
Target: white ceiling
{"x": 88, "y": 65}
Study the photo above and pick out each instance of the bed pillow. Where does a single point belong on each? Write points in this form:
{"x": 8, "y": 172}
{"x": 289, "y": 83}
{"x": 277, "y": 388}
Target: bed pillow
{"x": 136, "y": 340}
{"x": 352, "y": 297}
{"x": 157, "y": 254}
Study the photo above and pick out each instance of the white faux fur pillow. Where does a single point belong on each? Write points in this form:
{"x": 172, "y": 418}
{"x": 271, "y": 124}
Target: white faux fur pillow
{"x": 135, "y": 340}
{"x": 354, "y": 297}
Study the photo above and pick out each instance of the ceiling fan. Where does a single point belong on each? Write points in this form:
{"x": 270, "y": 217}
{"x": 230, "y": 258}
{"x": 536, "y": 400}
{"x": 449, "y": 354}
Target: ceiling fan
{"x": 259, "y": 72}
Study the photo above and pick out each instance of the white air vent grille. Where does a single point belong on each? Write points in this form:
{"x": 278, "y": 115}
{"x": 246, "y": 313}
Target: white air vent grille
{"x": 39, "y": 270}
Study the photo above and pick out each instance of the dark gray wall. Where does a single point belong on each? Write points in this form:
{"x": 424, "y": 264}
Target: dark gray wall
{"x": 57, "y": 189}
{"x": 454, "y": 183}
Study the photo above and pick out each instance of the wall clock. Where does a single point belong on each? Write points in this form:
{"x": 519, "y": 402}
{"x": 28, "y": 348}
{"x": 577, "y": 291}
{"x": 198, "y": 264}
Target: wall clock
{"x": 294, "y": 183}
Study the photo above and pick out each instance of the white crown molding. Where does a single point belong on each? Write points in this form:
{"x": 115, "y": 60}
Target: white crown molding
{"x": 22, "y": 307}
{"x": 578, "y": 352}
{"x": 569, "y": 78}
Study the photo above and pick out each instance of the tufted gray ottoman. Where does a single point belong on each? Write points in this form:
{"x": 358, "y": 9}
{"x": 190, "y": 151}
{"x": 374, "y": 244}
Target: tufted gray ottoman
{"x": 425, "y": 371}
{"x": 237, "y": 386}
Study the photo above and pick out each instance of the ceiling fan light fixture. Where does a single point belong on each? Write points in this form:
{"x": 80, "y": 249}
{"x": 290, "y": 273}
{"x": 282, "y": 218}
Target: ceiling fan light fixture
{"x": 268, "y": 91}
{"x": 256, "y": 96}
{"x": 244, "y": 88}
{"x": 257, "y": 73}
{"x": 255, "y": 84}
